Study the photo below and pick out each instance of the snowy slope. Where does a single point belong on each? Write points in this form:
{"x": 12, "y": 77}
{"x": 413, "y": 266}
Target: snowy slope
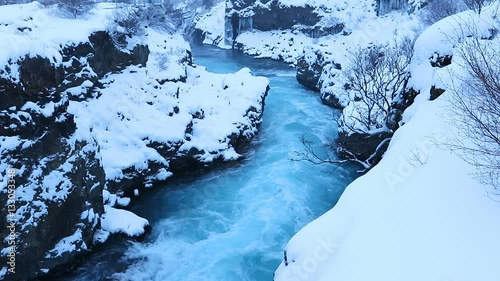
{"x": 419, "y": 214}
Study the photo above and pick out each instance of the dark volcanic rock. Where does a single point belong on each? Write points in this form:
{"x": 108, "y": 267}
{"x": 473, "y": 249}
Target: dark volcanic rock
{"x": 404, "y": 100}
{"x": 316, "y": 71}
{"x": 283, "y": 17}
{"x": 363, "y": 146}
{"x": 272, "y": 15}
{"x": 317, "y": 31}
{"x": 440, "y": 60}
{"x": 108, "y": 58}
{"x": 309, "y": 70}
{"x": 59, "y": 178}
{"x": 331, "y": 100}
{"x": 310, "y": 66}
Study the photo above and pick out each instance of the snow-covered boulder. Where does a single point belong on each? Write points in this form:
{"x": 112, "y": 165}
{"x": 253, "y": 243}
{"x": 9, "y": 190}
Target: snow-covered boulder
{"x": 310, "y": 67}
{"x": 317, "y": 70}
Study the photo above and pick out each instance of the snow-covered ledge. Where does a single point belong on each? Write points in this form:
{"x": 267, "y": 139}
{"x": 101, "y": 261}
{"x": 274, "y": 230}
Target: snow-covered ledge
{"x": 419, "y": 214}
{"x": 84, "y": 121}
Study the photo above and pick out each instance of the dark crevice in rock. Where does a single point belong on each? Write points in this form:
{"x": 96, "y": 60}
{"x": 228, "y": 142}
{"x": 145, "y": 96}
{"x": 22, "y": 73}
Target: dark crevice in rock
{"x": 435, "y": 92}
{"x": 440, "y": 61}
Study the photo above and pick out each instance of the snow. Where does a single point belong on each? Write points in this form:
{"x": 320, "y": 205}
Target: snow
{"x": 123, "y": 201}
{"x": 121, "y": 221}
{"x": 100, "y": 236}
{"x": 419, "y": 214}
{"x": 67, "y": 244}
{"x": 33, "y": 30}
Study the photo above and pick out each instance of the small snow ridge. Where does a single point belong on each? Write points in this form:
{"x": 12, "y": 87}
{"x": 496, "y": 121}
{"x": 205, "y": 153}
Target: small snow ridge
{"x": 122, "y": 221}
{"x": 67, "y": 244}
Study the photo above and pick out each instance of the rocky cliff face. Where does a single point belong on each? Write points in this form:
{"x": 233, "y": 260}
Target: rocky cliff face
{"x": 70, "y": 125}
{"x": 59, "y": 177}
{"x": 270, "y": 15}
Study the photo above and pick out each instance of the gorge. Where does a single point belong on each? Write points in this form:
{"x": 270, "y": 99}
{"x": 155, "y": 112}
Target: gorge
{"x": 232, "y": 223}
{"x": 139, "y": 156}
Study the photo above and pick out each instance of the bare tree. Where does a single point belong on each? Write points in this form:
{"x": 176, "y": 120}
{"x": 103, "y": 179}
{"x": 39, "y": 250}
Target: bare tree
{"x": 76, "y": 8}
{"x": 476, "y": 107}
{"x": 476, "y": 5}
{"x": 308, "y": 153}
{"x": 436, "y": 10}
{"x": 375, "y": 76}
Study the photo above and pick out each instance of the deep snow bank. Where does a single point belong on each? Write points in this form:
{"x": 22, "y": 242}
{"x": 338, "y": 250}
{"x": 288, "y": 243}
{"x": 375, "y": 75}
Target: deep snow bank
{"x": 82, "y": 121}
{"x": 418, "y": 214}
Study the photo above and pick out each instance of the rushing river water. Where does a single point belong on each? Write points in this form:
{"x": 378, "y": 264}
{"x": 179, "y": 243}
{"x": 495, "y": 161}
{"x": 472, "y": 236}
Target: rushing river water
{"x": 232, "y": 224}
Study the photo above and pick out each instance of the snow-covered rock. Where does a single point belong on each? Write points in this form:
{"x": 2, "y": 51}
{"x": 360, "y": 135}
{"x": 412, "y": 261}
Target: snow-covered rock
{"x": 122, "y": 221}
{"x": 418, "y": 214}
{"x": 209, "y": 28}
{"x": 81, "y": 118}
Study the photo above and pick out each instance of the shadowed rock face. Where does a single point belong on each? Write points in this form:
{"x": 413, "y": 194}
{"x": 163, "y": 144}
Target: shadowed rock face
{"x": 272, "y": 15}
{"x": 315, "y": 70}
{"x": 283, "y": 17}
{"x": 309, "y": 70}
{"x": 311, "y": 65}
{"x": 59, "y": 177}
{"x": 387, "y": 6}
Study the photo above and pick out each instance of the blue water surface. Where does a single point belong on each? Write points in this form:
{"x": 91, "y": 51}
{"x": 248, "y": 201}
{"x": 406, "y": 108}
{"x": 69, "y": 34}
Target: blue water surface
{"x": 232, "y": 224}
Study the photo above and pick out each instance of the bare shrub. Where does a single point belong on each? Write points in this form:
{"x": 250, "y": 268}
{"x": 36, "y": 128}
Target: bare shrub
{"x": 476, "y": 5}
{"x": 125, "y": 23}
{"x": 476, "y": 107}
{"x": 375, "y": 76}
{"x": 76, "y": 8}
{"x": 436, "y": 10}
